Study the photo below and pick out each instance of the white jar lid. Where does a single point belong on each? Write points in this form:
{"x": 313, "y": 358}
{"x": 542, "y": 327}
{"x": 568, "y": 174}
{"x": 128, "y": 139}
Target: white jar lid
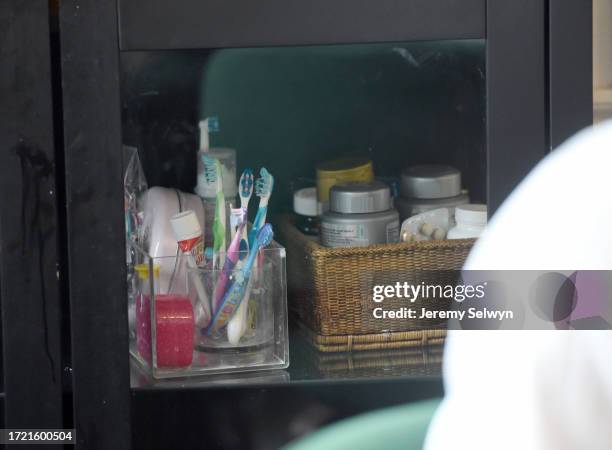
{"x": 186, "y": 225}
{"x": 472, "y": 214}
{"x": 305, "y": 202}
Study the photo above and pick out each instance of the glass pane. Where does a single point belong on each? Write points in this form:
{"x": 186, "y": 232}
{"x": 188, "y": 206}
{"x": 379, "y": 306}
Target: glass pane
{"x": 290, "y": 109}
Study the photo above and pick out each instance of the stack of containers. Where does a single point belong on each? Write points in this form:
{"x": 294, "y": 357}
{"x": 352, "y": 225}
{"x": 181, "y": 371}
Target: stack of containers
{"x": 427, "y": 187}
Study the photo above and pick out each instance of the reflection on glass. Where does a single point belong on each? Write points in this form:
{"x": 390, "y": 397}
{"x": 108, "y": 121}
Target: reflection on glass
{"x": 289, "y": 108}
{"x": 310, "y": 364}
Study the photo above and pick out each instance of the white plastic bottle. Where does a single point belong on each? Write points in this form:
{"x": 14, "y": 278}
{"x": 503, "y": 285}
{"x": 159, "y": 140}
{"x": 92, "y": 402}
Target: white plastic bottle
{"x": 471, "y": 222}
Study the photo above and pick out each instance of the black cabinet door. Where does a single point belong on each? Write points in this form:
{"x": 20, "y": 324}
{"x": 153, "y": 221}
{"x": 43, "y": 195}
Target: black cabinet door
{"x": 29, "y": 228}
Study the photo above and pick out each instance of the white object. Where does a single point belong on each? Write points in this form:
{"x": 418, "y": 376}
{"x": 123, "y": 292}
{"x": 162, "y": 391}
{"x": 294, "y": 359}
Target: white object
{"x": 186, "y": 226}
{"x": 544, "y": 390}
{"x": 159, "y": 205}
{"x": 204, "y": 135}
{"x": 236, "y": 326}
{"x": 305, "y": 202}
{"x": 471, "y": 221}
{"x": 189, "y": 237}
{"x": 426, "y": 226}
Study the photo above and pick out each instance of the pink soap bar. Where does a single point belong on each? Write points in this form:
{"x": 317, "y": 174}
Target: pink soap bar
{"x": 174, "y": 329}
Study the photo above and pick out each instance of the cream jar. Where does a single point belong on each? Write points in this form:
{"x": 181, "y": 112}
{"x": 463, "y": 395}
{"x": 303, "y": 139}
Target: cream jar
{"x": 339, "y": 171}
{"x": 361, "y": 214}
{"x": 427, "y": 187}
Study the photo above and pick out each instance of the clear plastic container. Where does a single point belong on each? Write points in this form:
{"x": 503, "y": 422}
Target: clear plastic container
{"x": 173, "y": 336}
{"x": 209, "y": 218}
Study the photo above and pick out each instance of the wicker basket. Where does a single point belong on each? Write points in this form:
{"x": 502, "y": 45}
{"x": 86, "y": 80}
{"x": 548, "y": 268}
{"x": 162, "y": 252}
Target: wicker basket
{"x": 330, "y": 289}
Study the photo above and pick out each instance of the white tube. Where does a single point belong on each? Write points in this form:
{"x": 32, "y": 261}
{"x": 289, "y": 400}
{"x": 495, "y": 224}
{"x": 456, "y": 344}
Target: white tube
{"x": 188, "y": 234}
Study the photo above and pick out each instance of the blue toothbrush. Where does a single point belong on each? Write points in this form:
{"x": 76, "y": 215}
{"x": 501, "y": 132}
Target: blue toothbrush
{"x": 263, "y": 189}
{"x": 233, "y": 296}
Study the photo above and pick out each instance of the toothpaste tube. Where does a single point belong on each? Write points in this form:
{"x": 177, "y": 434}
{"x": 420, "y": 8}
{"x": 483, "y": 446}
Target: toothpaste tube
{"x": 188, "y": 233}
{"x": 190, "y": 240}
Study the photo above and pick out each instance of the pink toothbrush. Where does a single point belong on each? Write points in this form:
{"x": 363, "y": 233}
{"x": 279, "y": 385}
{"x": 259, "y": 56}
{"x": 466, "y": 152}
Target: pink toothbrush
{"x": 231, "y": 259}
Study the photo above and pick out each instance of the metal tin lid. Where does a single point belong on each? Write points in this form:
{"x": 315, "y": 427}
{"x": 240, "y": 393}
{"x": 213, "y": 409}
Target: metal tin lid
{"x": 430, "y": 181}
{"x": 305, "y": 202}
{"x": 360, "y": 198}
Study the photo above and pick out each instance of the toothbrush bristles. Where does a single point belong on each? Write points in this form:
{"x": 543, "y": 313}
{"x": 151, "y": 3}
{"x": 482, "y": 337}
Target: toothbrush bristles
{"x": 210, "y": 169}
{"x": 264, "y": 184}
{"x": 265, "y": 235}
{"x": 246, "y": 183}
{"x": 213, "y": 124}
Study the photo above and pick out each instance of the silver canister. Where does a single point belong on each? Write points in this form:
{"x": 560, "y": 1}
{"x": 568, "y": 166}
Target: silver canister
{"x": 361, "y": 214}
{"x": 427, "y": 187}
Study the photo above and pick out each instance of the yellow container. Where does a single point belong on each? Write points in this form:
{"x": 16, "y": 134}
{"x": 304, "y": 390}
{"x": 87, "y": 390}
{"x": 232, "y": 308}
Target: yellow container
{"x": 143, "y": 271}
{"x": 342, "y": 170}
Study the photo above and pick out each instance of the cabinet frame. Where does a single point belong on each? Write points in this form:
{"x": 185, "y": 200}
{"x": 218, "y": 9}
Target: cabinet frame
{"x": 536, "y": 97}
{"x": 30, "y": 222}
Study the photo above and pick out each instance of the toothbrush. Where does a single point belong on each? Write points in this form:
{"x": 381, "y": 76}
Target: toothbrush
{"x": 212, "y": 173}
{"x": 246, "y": 190}
{"x": 233, "y": 297}
{"x": 208, "y": 125}
{"x": 237, "y": 324}
{"x": 230, "y": 261}
{"x": 263, "y": 189}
